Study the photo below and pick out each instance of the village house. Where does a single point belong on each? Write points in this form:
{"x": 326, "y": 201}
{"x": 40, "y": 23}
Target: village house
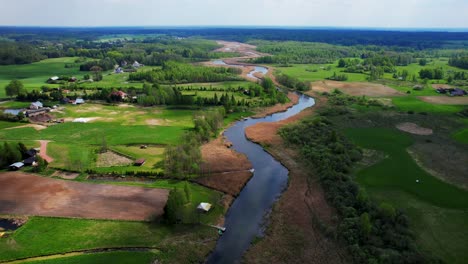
{"x": 16, "y": 166}
{"x": 36, "y": 105}
{"x": 120, "y": 94}
{"x": 79, "y": 101}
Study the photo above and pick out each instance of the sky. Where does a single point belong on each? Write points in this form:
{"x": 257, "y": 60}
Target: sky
{"x": 309, "y": 13}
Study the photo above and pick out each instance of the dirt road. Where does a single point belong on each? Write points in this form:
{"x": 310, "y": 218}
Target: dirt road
{"x": 28, "y": 194}
{"x": 43, "y": 151}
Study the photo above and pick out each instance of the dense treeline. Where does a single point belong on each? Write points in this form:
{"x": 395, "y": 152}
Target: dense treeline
{"x": 347, "y": 37}
{"x": 374, "y": 233}
{"x": 174, "y": 72}
{"x": 104, "y": 65}
{"x": 302, "y": 52}
{"x": 292, "y": 82}
{"x": 18, "y": 53}
{"x": 460, "y": 62}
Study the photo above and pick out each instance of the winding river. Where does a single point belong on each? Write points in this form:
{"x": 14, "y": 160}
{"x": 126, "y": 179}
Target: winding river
{"x": 245, "y": 218}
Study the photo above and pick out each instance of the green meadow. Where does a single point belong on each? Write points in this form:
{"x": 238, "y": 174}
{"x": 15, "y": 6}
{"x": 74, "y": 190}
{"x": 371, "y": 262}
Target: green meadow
{"x": 412, "y": 103}
{"x": 120, "y": 257}
{"x": 438, "y": 211}
{"x": 45, "y": 236}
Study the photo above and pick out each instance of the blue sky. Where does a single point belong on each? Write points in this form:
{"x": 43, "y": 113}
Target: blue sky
{"x": 312, "y": 13}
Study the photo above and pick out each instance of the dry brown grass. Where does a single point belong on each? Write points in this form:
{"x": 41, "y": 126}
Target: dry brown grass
{"x": 110, "y": 158}
{"x": 414, "y": 129}
{"x": 355, "y": 88}
{"x": 445, "y": 100}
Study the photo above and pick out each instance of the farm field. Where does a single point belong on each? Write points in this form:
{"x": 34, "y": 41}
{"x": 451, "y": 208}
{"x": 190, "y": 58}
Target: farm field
{"x": 45, "y": 236}
{"x": 437, "y": 210}
{"x": 30, "y": 194}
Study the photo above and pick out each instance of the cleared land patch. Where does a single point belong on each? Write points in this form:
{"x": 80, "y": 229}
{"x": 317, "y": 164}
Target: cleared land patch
{"x": 445, "y": 100}
{"x": 355, "y": 88}
{"x": 110, "y": 158}
{"x": 28, "y": 194}
{"x": 414, "y": 129}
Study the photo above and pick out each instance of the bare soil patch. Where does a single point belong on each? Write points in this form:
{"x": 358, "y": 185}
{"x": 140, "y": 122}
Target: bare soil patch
{"x": 227, "y": 182}
{"x": 355, "y": 88}
{"x": 154, "y": 122}
{"x": 28, "y": 194}
{"x": 445, "y": 100}
{"x": 414, "y": 129}
{"x": 66, "y": 175}
{"x": 441, "y": 85}
{"x": 110, "y": 158}
{"x": 35, "y": 126}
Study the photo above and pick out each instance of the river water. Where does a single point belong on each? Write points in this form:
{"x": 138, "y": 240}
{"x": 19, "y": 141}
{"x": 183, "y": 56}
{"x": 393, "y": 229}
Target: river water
{"x": 245, "y": 218}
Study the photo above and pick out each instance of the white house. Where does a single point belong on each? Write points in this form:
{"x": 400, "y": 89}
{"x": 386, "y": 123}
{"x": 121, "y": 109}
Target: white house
{"x": 35, "y": 105}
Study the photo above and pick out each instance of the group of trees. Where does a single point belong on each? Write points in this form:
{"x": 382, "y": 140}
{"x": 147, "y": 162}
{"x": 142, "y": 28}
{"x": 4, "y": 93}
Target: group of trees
{"x": 338, "y": 77}
{"x": 18, "y": 53}
{"x": 374, "y": 233}
{"x": 292, "y": 82}
{"x": 437, "y": 74}
{"x": 183, "y": 160}
{"x": 14, "y": 88}
{"x": 174, "y": 211}
{"x": 460, "y": 62}
{"x": 174, "y": 72}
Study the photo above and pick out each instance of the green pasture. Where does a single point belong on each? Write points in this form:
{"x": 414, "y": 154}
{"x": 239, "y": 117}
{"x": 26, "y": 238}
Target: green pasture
{"x": 438, "y": 210}
{"x": 399, "y": 171}
{"x": 440, "y": 232}
{"x": 318, "y": 72}
{"x": 120, "y": 257}
{"x": 412, "y": 103}
{"x": 461, "y": 136}
{"x": 45, "y": 236}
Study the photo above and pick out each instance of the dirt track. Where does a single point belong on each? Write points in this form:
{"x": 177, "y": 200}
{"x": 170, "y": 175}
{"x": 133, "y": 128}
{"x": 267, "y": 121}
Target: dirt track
{"x": 43, "y": 151}
{"x": 28, "y": 194}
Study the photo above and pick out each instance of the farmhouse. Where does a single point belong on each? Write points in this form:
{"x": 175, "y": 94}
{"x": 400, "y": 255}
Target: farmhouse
{"x": 136, "y": 64}
{"x": 31, "y": 113}
{"x": 32, "y": 152}
{"x": 31, "y": 161}
{"x": 118, "y": 70}
{"x": 35, "y": 105}
{"x": 54, "y": 78}
{"x": 119, "y": 94}
{"x": 16, "y": 166}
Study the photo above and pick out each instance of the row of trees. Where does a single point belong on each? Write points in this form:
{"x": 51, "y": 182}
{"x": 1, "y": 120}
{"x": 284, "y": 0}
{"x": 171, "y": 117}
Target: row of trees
{"x": 374, "y": 233}
{"x": 174, "y": 72}
{"x": 436, "y": 74}
{"x": 460, "y": 62}
{"x": 292, "y": 82}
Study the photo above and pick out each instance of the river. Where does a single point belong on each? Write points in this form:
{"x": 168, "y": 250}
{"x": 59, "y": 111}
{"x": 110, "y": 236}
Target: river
{"x": 246, "y": 216}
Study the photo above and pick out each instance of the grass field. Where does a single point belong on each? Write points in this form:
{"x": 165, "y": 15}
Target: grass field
{"x": 438, "y": 210}
{"x": 107, "y": 257}
{"x": 461, "y": 136}
{"x": 412, "y": 103}
{"x": 317, "y": 72}
{"x": 124, "y": 127}
{"x": 45, "y": 236}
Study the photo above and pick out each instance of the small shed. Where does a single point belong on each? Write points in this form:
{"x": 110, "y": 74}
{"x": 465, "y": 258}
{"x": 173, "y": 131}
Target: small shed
{"x": 79, "y": 101}
{"x": 205, "y": 207}
{"x": 16, "y": 166}
{"x": 139, "y": 162}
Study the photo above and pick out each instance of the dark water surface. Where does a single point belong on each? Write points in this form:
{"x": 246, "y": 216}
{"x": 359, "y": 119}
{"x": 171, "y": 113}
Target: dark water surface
{"x": 246, "y": 215}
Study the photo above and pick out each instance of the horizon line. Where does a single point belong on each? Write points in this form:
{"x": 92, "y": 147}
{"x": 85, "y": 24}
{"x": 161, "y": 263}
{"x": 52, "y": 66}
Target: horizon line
{"x": 418, "y": 29}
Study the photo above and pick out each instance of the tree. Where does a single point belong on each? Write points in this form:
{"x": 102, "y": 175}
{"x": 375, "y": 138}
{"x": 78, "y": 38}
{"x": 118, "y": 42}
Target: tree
{"x": 97, "y": 76}
{"x": 41, "y": 164}
{"x": 366, "y": 225}
{"x": 423, "y": 62}
{"x": 341, "y": 63}
{"x": 173, "y": 211}
{"x": 14, "y": 88}
{"x": 187, "y": 192}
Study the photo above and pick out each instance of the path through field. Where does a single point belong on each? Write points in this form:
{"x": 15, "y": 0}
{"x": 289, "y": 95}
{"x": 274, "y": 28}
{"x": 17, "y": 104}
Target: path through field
{"x": 43, "y": 152}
